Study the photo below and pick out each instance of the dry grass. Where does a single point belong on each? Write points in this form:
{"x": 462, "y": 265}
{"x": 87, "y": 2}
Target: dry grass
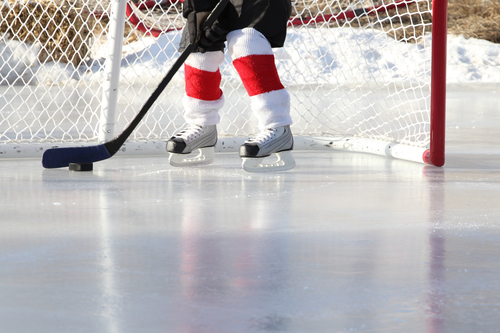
{"x": 60, "y": 28}
{"x": 475, "y": 18}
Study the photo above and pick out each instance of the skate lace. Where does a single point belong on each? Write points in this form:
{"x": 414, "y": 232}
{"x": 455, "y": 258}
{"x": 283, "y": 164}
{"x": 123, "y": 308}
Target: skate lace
{"x": 190, "y": 132}
{"x": 263, "y": 137}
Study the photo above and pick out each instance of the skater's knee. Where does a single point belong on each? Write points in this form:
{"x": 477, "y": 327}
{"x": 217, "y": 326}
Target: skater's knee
{"x": 245, "y": 42}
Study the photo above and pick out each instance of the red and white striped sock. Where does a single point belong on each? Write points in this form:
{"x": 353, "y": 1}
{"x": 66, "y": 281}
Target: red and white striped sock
{"x": 253, "y": 59}
{"x": 203, "y": 98}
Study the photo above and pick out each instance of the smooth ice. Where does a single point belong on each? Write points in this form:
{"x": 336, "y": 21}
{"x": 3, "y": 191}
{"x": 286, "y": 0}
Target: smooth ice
{"x": 345, "y": 242}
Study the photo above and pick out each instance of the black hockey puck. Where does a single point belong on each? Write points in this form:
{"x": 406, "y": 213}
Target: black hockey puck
{"x": 81, "y": 166}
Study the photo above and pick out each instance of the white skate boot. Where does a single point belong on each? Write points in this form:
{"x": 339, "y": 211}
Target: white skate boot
{"x": 192, "y": 138}
{"x": 273, "y": 141}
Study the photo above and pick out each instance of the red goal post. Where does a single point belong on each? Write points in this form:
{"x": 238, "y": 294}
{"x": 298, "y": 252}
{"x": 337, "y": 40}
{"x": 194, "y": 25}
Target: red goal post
{"x": 364, "y": 76}
{"x": 435, "y": 154}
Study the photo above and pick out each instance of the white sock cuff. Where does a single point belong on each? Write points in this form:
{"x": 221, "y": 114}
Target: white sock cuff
{"x": 203, "y": 113}
{"x": 272, "y": 109}
{"x": 208, "y": 61}
{"x": 245, "y": 42}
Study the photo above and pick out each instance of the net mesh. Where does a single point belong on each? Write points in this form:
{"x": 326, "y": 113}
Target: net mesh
{"x": 353, "y": 68}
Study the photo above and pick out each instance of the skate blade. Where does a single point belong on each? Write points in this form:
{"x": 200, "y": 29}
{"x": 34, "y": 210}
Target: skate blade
{"x": 205, "y": 156}
{"x": 284, "y": 162}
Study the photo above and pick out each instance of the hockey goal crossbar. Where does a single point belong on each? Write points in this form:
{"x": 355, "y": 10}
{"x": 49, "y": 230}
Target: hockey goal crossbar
{"x": 133, "y": 17}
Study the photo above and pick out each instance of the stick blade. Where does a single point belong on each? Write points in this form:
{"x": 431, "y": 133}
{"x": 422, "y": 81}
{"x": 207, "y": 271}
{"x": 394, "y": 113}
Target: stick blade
{"x": 62, "y": 157}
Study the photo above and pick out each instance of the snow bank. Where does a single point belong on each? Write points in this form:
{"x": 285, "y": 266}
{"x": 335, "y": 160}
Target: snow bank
{"x": 310, "y": 55}
{"x": 472, "y": 60}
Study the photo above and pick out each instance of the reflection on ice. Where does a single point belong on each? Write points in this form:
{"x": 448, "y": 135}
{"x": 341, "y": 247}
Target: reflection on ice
{"x": 343, "y": 242}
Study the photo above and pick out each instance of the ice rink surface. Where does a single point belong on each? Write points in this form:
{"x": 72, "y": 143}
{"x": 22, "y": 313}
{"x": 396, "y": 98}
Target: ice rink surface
{"x": 345, "y": 242}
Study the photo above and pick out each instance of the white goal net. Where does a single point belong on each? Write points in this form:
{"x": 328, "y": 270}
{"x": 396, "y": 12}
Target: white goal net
{"x": 354, "y": 69}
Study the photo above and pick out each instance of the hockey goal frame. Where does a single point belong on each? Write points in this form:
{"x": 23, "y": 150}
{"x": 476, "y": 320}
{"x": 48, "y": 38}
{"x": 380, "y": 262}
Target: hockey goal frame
{"x": 433, "y": 154}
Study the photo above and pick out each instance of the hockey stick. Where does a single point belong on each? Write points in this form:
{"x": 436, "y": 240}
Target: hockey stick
{"x": 62, "y": 157}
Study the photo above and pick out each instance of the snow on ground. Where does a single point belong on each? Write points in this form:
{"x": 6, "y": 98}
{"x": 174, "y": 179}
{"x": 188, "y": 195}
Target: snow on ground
{"x": 472, "y": 60}
{"x": 309, "y": 54}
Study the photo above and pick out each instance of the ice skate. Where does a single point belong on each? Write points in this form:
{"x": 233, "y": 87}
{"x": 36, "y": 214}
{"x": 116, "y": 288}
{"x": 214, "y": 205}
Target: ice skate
{"x": 194, "y": 145}
{"x": 273, "y": 142}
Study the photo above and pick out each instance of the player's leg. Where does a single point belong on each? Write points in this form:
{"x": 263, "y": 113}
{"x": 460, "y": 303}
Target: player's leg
{"x": 202, "y": 102}
{"x": 253, "y": 59}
